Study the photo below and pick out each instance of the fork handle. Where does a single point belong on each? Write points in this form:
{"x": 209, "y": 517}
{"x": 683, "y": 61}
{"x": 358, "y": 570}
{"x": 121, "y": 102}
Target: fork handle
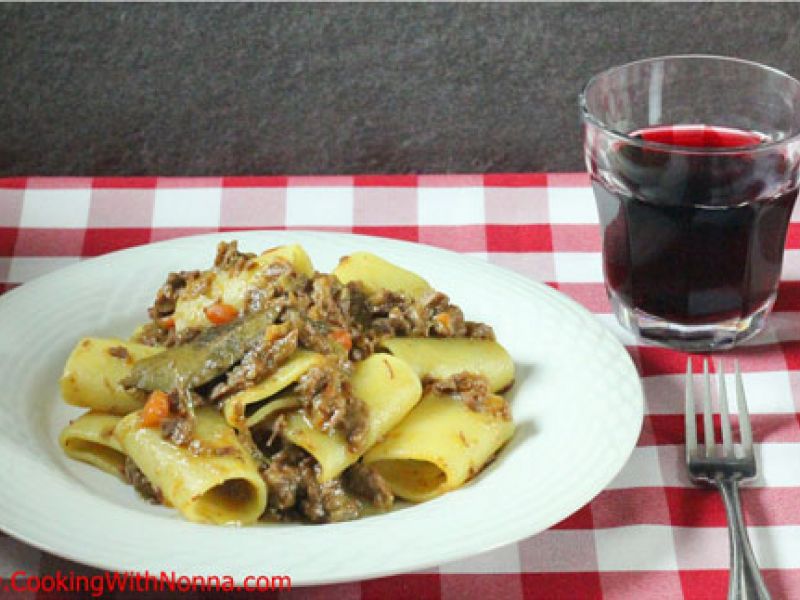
{"x": 745, "y": 577}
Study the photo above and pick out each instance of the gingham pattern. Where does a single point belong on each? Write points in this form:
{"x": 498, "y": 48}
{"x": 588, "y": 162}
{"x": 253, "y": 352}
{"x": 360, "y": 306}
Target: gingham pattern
{"x": 651, "y": 534}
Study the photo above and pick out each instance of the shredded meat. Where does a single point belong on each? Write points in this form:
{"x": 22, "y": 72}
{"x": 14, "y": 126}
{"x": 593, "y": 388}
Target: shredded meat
{"x": 432, "y": 315}
{"x": 443, "y": 319}
{"x": 180, "y": 426}
{"x": 167, "y": 295}
{"x": 313, "y": 335}
{"x": 230, "y": 259}
{"x": 324, "y": 307}
{"x": 353, "y": 302}
{"x": 394, "y": 314}
{"x": 326, "y": 395}
{"x": 141, "y": 484}
{"x": 355, "y": 422}
{"x": 473, "y": 390}
{"x": 367, "y": 483}
{"x": 119, "y": 352}
{"x": 256, "y": 365}
{"x": 479, "y": 330}
{"x": 292, "y": 481}
{"x": 284, "y": 477}
{"x": 329, "y": 503}
{"x": 155, "y": 333}
{"x": 177, "y": 430}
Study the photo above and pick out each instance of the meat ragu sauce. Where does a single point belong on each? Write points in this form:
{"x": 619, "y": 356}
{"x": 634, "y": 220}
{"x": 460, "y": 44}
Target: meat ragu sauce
{"x": 345, "y": 323}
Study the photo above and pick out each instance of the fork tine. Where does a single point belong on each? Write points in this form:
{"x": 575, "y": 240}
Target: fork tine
{"x": 745, "y": 432}
{"x": 725, "y": 419}
{"x": 708, "y": 422}
{"x": 691, "y": 424}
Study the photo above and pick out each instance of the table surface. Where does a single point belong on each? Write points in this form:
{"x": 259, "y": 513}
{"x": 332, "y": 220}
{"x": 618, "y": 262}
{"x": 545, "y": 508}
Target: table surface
{"x": 346, "y": 87}
{"x": 650, "y": 534}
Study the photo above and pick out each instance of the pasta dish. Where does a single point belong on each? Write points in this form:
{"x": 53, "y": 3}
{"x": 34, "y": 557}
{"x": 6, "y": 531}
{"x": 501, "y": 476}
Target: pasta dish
{"x": 261, "y": 389}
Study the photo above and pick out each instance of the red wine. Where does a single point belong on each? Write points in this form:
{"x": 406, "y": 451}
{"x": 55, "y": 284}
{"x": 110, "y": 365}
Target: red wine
{"x": 690, "y": 236}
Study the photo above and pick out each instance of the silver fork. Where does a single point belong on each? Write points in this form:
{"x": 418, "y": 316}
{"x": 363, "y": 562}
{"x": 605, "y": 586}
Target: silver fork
{"x": 724, "y": 468}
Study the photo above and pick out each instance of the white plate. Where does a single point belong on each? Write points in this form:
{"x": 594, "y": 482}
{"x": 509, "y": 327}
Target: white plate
{"x": 577, "y": 402}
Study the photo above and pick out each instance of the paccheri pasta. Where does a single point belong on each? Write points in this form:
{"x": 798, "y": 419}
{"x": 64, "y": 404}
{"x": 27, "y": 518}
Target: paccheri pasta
{"x": 261, "y": 389}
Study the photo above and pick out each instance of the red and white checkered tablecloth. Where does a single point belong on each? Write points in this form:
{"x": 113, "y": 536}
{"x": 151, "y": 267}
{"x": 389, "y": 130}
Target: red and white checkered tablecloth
{"x": 651, "y": 534}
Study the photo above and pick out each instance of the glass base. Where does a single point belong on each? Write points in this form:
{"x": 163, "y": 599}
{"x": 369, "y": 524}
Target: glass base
{"x": 692, "y": 338}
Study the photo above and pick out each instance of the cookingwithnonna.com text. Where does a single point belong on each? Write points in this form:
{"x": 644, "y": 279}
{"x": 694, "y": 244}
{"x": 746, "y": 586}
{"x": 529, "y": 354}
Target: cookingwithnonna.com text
{"x": 165, "y": 581}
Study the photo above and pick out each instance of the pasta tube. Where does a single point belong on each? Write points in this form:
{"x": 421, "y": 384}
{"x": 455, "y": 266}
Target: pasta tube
{"x": 439, "y": 358}
{"x": 388, "y": 387}
{"x": 90, "y": 438}
{"x": 293, "y": 254}
{"x": 220, "y": 485}
{"x": 235, "y": 406}
{"x": 93, "y": 371}
{"x": 437, "y": 447}
{"x": 376, "y": 273}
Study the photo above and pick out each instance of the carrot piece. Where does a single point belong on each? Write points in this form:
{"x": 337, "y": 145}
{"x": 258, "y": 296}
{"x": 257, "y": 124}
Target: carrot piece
{"x": 342, "y": 337}
{"x": 220, "y": 313}
{"x": 167, "y": 323}
{"x": 444, "y": 319}
{"x": 156, "y": 409}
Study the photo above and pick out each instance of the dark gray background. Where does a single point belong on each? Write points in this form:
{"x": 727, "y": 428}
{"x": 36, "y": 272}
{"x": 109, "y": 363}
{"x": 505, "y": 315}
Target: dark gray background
{"x": 334, "y": 88}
